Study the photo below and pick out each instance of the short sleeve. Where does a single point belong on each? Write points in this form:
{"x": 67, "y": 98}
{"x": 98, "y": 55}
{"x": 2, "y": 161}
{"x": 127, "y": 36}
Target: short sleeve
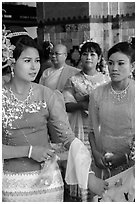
{"x": 58, "y": 119}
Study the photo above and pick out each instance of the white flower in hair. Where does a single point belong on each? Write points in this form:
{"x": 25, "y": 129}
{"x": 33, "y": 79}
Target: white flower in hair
{"x": 7, "y": 49}
{"x": 50, "y": 46}
{"x": 81, "y": 45}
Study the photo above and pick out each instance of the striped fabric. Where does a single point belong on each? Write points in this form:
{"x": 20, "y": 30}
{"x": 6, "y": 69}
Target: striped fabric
{"x": 21, "y": 187}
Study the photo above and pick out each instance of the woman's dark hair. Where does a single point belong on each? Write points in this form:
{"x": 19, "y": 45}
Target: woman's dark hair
{"x": 125, "y": 48}
{"x": 91, "y": 47}
{"x": 21, "y": 43}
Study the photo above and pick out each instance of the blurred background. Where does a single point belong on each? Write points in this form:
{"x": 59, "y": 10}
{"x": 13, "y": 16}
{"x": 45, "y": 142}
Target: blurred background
{"x": 71, "y": 23}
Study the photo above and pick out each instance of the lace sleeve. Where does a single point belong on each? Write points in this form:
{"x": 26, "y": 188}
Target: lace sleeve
{"x": 94, "y": 123}
{"x": 69, "y": 92}
{"x": 58, "y": 120}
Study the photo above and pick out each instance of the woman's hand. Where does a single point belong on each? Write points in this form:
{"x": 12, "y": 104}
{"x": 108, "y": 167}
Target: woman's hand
{"x": 82, "y": 98}
{"x": 41, "y": 154}
{"x": 115, "y": 160}
{"x": 97, "y": 185}
{"x": 99, "y": 160}
{"x": 84, "y": 105}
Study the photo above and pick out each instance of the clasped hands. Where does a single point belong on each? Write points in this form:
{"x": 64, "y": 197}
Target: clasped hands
{"x": 41, "y": 154}
{"x": 109, "y": 160}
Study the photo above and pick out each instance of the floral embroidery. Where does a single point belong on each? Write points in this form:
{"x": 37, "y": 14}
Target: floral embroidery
{"x": 84, "y": 84}
{"x": 13, "y": 109}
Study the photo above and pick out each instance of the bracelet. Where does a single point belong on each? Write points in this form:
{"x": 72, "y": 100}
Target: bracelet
{"x": 127, "y": 160}
{"x": 91, "y": 172}
{"x": 30, "y": 151}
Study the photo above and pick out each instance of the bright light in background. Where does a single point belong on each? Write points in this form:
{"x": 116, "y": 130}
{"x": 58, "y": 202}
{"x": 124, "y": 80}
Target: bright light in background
{"x": 27, "y": 3}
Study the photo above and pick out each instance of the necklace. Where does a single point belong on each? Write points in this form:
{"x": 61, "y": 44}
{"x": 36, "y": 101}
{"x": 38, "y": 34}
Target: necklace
{"x": 16, "y": 100}
{"x": 119, "y": 95}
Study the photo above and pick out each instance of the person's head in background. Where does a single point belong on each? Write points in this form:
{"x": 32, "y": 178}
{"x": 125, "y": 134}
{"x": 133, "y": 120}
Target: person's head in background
{"x": 90, "y": 54}
{"x": 58, "y": 55}
{"x": 121, "y": 61}
{"x": 26, "y": 59}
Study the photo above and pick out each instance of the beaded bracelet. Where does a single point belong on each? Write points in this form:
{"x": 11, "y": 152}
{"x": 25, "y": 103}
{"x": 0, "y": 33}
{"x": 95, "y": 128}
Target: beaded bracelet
{"x": 30, "y": 151}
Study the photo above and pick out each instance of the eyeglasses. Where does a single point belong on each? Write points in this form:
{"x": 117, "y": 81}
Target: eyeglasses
{"x": 56, "y": 53}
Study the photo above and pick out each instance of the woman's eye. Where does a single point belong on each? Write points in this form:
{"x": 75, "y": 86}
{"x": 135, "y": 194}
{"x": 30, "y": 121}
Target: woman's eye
{"x": 110, "y": 63}
{"x": 120, "y": 63}
{"x": 38, "y": 61}
{"x": 27, "y": 60}
{"x": 85, "y": 54}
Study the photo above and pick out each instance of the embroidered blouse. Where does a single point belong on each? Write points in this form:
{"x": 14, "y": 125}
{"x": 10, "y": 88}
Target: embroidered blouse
{"x": 24, "y": 123}
{"x": 114, "y": 116}
{"x": 82, "y": 84}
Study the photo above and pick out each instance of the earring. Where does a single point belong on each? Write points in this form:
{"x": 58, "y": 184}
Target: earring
{"x": 12, "y": 72}
{"x": 131, "y": 75}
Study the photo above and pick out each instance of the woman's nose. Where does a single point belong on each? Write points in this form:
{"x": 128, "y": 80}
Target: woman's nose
{"x": 115, "y": 67}
{"x": 33, "y": 65}
{"x": 89, "y": 56}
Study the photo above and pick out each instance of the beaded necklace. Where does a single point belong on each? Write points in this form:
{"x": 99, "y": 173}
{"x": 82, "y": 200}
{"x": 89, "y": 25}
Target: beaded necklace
{"x": 26, "y": 101}
{"x": 119, "y": 95}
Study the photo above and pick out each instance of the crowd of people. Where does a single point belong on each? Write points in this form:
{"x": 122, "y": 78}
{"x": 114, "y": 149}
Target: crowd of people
{"x": 91, "y": 113}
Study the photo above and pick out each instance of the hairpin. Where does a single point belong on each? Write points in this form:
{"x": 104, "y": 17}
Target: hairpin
{"x": 130, "y": 40}
{"x": 50, "y": 46}
{"x": 10, "y": 35}
{"x": 81, "y": 45}
{"x": 7, "y": 49}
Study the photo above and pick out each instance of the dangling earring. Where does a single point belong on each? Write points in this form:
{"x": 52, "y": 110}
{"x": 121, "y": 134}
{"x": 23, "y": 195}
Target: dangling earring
{"x": 98, "y": 67}
{"x": 12, "y": 72}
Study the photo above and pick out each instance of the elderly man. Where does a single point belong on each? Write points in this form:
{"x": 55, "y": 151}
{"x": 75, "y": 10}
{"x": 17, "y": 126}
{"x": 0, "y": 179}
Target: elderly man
{"x": 55, "y": 77}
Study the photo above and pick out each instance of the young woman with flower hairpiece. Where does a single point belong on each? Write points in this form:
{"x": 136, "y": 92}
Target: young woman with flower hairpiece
{"x": 79, "y": 87}
{"x": 30, "y": 170}
{"x": 112, "y": 115}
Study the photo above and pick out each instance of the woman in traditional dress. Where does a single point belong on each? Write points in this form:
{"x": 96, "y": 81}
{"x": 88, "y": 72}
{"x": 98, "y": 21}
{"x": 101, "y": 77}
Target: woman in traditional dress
{"x": 112, "y": 114}
{"x": 77, "y": 90}
{"x": 78, "y": 87}
{"x": 30, "y": 170}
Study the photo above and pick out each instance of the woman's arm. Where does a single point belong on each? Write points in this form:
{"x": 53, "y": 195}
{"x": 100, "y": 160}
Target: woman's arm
{"x": 94, "y": 123}
{"x": 38, "y": 153}
{"x": 94, "y": 133}
{"x": 71, "y": 102}
{"x": 9, "y": 152}
{"x": 72, "y": 107}
{"x": 59, "y": 124}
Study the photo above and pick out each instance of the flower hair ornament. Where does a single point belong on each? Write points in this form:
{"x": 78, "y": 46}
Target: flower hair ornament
{"x": 7, "y": 47}
{"x": 50, "y": 46}
{"x": 131, "y": 40}
{"x": 81, "y": 45}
